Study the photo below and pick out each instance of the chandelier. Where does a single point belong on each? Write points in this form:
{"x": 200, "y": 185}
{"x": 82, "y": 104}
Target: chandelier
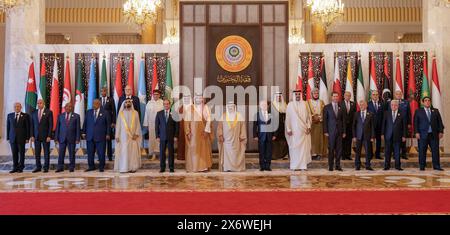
{"x": 141, "y": 12}
{"x": 6, "y": 5}
{"x": 172, "y": 38}
{"x": 326, "y": 12}
{"x": 295, "y": 36}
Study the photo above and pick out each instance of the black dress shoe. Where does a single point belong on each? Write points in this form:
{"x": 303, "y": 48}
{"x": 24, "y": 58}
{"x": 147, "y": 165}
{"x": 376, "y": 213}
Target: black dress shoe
{"x": 101, "y": 170}
{"x": 59, "y": 170}
{"x": 399, "y": 169}
{"x": 268, "y": 169}
{"x": 349, "y": 158}
{"x": 36, "y": 170}
{"x": 357, "y": 168}
{"x": 339, "y": 169}
{"x": 161, "y": 171}
{"x": 261, "y": 169}
{"x": 71, "y": 170}
{"x": 110, "y": 159}
{"x": 422, "y": 169}
{"x": 439, "y": 169}
{"x": 406, "y": 158}
{"x": 369, "y": 168}
{"x": 19, "y": 171}
{"x": 172, "y": 171}
{"x": 330, "y": 169}
{"x": 91, "y": 169}
{"x": 46, "y": 171}
{"x": 386, "y": 168}
{"x": 13, "y": 171}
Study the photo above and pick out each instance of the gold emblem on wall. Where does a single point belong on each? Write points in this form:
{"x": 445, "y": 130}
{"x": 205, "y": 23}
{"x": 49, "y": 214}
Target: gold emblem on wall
{"x": 234, "y": 53}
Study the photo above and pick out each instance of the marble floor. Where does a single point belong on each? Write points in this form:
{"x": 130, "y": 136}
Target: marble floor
{"x": 251, "y": 180}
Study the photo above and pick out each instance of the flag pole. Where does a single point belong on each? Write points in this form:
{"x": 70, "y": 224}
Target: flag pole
{"x": 30, "y": 150}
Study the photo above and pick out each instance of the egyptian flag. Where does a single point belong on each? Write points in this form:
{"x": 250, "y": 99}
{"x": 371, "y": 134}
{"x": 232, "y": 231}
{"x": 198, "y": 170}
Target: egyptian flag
{"x": 372, "y": 76}
{"x": 435, "y": 88}
{"x": 398, "y": 84}
{"x": 310, "y": 86}
{"x": 31, "y": 92}
{"x": 323, "y": 88}
{"x": 337, "y": 80}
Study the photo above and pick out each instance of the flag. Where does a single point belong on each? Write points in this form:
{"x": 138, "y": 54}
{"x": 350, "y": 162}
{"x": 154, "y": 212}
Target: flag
{"x": 323, "y": 88}
{"x": 130, "y": 80}
{"x": 80, "y": 92}
{"x": 372, "y": 77}
{"x": 54, "y": 94}
{"x": 386, "y": 80}
{"x": 310, "y": 86}
{"x": 104, "y": 77}
{"x": 435, "y": 88}
{"x": 92, "y": 87}
{"x": 398, "y": 84}
{"x": 42, "y": 93}
{"x": 412, "y": 91}
{"x": 349, "y": 83}
{"x": 425, "y": 91}
{"x": 360, "y": 91}
{"x": 169, "y": 82}
{"x": 337, "y": 80}
{"x": 299, "y": 84}
{"x": 67, "y": 92}
{"x": 141, "y": 88}
{"x": 31, "y": 92}
{"x": 155, "y": 85}
{"x": 118, "y": 83}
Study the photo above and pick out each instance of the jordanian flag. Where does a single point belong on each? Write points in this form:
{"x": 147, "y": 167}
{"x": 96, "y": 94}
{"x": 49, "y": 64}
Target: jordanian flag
{"x": 31, "y": 95}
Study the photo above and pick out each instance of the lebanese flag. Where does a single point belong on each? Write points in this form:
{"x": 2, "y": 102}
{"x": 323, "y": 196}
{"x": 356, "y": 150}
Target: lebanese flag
{"x": 398, "y": 83}
{"x": 67, "y": 92}
{"x": 337, "y": 80}
{"x": 118, "y": 83}
{"x": 299, "y": 83}
{"x": 435, "y": 88}
{"x": 372, "y": 77}
{"x": 310, "y": 86}
{"x": 130, "y": 81}
{"x": 155, "y": 85}
{"x": 414, "y": 105}
{"x": 323, "y": 88}
{"x": 54, "y": 95}
{"x": 349, "y": 83}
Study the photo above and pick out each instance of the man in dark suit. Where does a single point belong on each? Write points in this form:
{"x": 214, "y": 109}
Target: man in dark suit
{"x": 263, "y": 132}
{"x": 429, "y": 129}
{"x": 129, "y": 96}
{"x": 394, "y": 131}
{"x": 109, "y": 106}
{"x": 405, "y": 111}
{"x": 349, "y": 109}
{"x": 67, "y": 135}
{"x": 334, "y": 129}
{"x": 363, "y": 134}
{"x": 18, "y": 134}
{"x": 376, "y": 107}
{"x": 41, "y": 134}
{"x": 166, "y": 130}
{"x": 96, "y": 131}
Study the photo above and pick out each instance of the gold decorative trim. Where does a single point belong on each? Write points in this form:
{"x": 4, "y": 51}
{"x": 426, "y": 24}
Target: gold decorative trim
{"x": 83, "y": 15}
{"x": 378, "y": 14}
{"x": 2, "y": 18}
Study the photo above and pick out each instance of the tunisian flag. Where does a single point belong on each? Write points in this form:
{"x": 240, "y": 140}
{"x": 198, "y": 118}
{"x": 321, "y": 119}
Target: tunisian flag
{"x": 54, "y": 94}
{"x": 310, "y": 86}
{"x": 155, "y": 85}
{"x": 130, "y": 81}
{"x": 398, "y": 83}
{"x": 67, "y": 92}
{"x": 337, "y": 80}
{"x": 412, "y": 91}
{"x": 435, "y": 88}
{"x": 118, "y": 83}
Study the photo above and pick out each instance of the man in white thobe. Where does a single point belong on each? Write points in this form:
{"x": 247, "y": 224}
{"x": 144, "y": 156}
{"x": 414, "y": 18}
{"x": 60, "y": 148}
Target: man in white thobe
{"x": 128, "y": 139}
{"x": 232, "y": 135}
{"x": 298, "y": 132}
{"x": 153, "y": 107}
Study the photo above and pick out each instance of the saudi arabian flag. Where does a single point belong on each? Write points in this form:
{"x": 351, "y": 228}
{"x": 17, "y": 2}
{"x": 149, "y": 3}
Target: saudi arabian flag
{"x": 425, "y": 88}
{"x": 103, "y": 78}
{"x": 169, "y": 83}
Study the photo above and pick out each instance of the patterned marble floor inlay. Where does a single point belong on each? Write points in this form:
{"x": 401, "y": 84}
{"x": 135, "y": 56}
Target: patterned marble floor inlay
{"x": 281, "y": 180}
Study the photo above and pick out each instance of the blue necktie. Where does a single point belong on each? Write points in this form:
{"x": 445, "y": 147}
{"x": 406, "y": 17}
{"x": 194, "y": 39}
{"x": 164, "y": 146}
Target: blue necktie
{"x": 429, "y": 120}
{"x": 167, "y": 116}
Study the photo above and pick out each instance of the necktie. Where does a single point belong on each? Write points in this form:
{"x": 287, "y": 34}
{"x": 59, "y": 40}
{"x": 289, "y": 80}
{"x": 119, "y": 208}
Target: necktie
{"x": 393, "y": 116}
{"x": 67, "y": 119}
{"x": 17, "y": 117}
{"x": 104, "y": 101}
{"x": 376, "y": 106}
{"x": 167, "y": 115}
{"x": 335, "y": 109}
{"x": 95, "y": 115}
{"x": 363, "y": 116}
{"x": 348, "y": 106}
{"x": 429, "y": 114}
{"x": 40, "y": 115}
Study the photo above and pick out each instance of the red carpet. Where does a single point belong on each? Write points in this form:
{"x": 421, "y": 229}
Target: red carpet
{"x": 308, "y": 202}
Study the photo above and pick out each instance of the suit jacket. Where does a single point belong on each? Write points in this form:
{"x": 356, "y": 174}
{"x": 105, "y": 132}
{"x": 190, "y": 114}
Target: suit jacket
{"x": 379, "y": 113}
{"x": 332, "y": 124}
{"x": 394, "y": 130}
{"x": 136, "y": 104}
{"x": 43, "y": 129}
{"x": 18, "y": 131}
{"x": 258, "y": 126}
{"x": 110, "y": 108}
{"x": 404, "y": 109}
{"x": 68, "y": 132}
{"x": 165, "y": 130}
{"x": 348, "y": 117}
{"x": 421, "y": 123}
{"x": 363, "y": 129}
{"x": 97, "y": 130}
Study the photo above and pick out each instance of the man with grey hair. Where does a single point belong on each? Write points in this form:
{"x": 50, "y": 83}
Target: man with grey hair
{"x": 394, "y": 133}
{"x": 363, "y": 129}
{"x": 405, "y": 110}
{"x": 376, "y": 107}
{"x": 349, "y": 108}
{"x": 18, "y": 134}
{"x": 315, "y": 108}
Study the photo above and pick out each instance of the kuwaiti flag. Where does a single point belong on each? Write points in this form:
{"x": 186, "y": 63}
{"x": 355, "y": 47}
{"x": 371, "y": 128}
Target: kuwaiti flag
{"x": 80, "y": 92}
{"x": 323, "y": 88}
{"x": 54, "y": 94}
{"x": 92, "y": 87}
{"x": 310, "y": 86}
{"x": 372, "y": 77}
{"x": 398, "y": 84}
{"x": 299, "y": 83}
{"x": 435, "y": 88}
{"x": 141, "y": 88}
{"x": 67, "y": 92}
{"x": 31, "y": 96}
{"x": 349, "y": 83}
{"x": 360, "y": 91}
{"x": 337, "y": 79}
{"x": 118, "y": 83}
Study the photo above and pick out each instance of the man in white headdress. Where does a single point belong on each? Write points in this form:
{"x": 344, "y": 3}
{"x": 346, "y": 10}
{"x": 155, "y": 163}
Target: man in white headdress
{"x": 199, "y": 136}
{"x": 298, "y": 132}
{"x": 151, "y": 109}
{"x": 128, "y": 139}
{"x": 280, "y": 147}
{"x": 232, "y": 135}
